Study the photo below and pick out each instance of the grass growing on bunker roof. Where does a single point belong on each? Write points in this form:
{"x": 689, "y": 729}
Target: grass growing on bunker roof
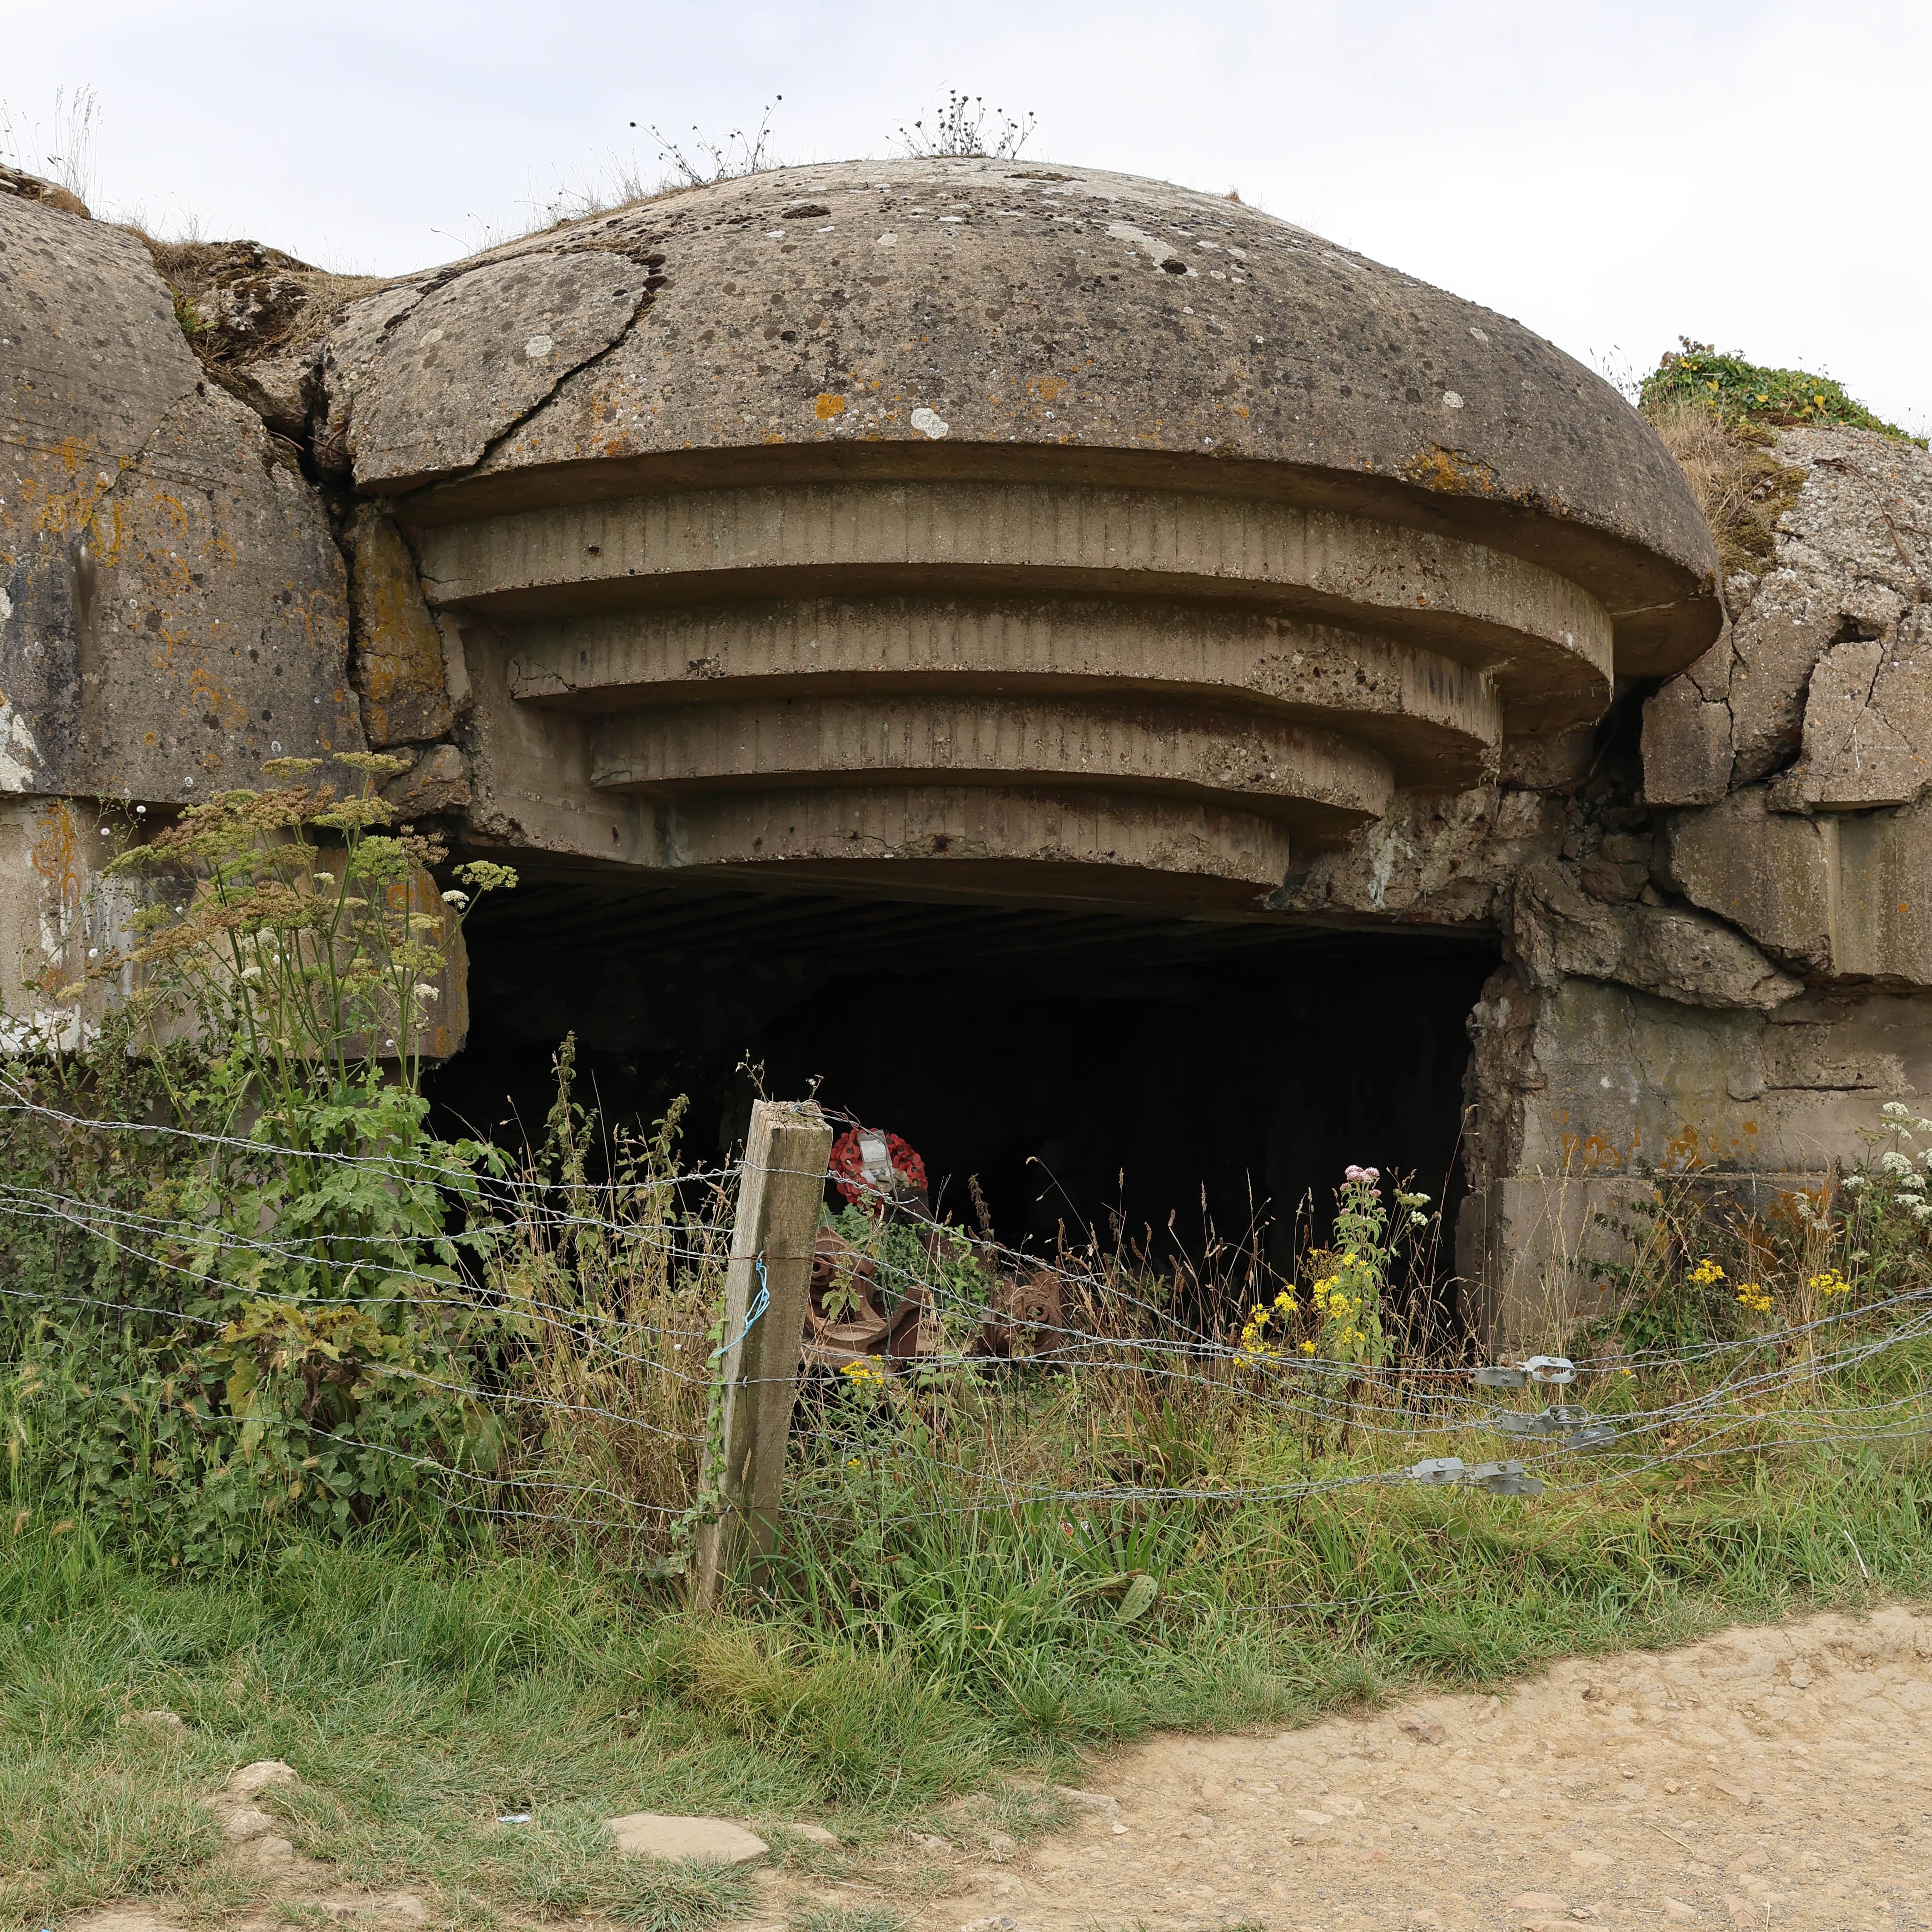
{"x": 1737, "y": 391}
{"x": 1719, "y": 416}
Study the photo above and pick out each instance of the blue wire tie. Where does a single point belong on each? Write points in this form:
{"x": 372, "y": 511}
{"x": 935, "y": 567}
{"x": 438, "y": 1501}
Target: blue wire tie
{"x": 761, "y": 1302}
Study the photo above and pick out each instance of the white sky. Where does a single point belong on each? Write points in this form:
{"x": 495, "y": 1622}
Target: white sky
{"x": 1757, "y": 175}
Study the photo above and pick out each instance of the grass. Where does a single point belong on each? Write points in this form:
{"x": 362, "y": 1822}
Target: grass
{"x": 423, "y": 1692}
{"x": 1718, "y": 415}
{"x": 1738, "y": 481}
{"x": 1739, "y": 392}
{"x": 990, "y": 1569}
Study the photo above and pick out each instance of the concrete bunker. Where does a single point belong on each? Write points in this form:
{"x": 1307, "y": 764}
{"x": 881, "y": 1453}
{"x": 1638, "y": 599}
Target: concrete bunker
{"x": 957, "y": 575}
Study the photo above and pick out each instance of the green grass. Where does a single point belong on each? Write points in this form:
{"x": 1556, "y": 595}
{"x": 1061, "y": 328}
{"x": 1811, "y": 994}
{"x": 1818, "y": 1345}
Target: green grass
{"x": 423, "y": 1693}
{"x": 1737, "y": 391}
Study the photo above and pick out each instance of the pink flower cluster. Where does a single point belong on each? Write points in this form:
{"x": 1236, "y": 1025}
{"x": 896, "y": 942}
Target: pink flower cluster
{"x": 1369, "y": 1173}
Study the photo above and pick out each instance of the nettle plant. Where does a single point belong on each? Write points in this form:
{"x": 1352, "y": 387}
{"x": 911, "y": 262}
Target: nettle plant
{"x": 304, "y": 1336}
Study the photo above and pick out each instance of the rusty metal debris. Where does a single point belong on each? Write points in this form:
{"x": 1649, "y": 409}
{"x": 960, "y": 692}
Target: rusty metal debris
{"x": 849, "y": 1317}
{"x": 1022, "y": 1312}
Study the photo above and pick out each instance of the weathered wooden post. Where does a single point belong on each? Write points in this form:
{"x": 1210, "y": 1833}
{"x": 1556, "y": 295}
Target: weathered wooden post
{"x": 766, "y": 1292}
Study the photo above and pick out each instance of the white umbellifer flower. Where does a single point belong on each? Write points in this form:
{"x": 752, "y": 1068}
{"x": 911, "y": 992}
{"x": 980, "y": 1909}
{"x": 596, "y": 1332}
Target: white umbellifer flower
{"x": 426, "y": 992}
{"x": 1895, "y": 1163}
{"x": 1896, "y": 1110}
{"x": 458, "y": 899}
{"x": 325, "y": 878}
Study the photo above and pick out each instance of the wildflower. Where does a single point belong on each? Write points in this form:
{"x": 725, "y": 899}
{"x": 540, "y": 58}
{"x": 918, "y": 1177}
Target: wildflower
{"x": 1308, "y": 1348}
{"x": 1751, "y": 1296}
{"x": 853, "y": 1463}
{"x": 425, "y": 991}
{"x": 864, "y": 1373}
{"x": 1707, "y": 1273}
{"x": 455, "y": 897}
{"x": 1829, "y": 1283}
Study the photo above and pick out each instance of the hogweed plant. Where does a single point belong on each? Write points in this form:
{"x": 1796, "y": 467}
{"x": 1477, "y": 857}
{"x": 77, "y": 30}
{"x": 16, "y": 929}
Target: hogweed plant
{"x": 295, "y": 1336}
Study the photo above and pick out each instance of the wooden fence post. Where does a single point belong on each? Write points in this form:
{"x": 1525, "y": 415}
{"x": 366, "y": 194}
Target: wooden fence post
{"x": 779, "y": 1202}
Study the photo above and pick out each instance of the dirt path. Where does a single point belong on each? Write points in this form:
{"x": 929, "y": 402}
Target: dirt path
{"x": 1779, "y": 1777}
{"x": 1776, "y": 1777}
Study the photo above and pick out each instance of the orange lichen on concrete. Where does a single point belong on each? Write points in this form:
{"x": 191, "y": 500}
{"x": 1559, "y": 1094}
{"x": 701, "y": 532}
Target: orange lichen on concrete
{"x": 399, "y": 667}
{"x": 1450, "y": 473}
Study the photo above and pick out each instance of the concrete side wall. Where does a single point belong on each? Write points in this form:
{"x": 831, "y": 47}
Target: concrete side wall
{"x": 1590, "y": 1089}
{"x": 57, "y": 915}
{"x": 173, "y": 608}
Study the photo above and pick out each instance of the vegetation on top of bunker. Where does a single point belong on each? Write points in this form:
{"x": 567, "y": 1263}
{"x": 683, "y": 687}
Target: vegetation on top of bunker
{"x": 1739, "y": 392}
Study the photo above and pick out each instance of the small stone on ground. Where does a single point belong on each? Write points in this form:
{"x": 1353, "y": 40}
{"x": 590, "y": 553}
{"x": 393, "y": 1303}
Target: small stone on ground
{"x": 709, "y": 1841}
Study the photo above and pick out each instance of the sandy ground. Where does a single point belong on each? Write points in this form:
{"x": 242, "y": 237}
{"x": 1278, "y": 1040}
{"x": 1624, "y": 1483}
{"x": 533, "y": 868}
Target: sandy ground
{"x": 1771, "y": 1777}
{"x": 1777, "y": 1776}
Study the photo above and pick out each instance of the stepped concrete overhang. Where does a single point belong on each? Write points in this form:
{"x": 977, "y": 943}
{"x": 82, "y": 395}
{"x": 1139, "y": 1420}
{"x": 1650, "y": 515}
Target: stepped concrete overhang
{"x": 1007, "y": 528}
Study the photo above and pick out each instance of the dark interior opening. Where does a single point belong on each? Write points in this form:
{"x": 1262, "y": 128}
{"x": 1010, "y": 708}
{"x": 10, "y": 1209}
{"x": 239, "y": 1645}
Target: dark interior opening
{"x": 1162, "y": 1078}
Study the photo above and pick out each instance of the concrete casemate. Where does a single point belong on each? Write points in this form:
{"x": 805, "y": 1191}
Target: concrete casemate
{"x": 996, "y": 531}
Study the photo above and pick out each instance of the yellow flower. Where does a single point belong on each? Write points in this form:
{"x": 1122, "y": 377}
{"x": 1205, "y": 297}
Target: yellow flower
{"x": 864, "y": 1373}
{"x": 1706, "y": 1273}
{"x": 1308, "y": 1348}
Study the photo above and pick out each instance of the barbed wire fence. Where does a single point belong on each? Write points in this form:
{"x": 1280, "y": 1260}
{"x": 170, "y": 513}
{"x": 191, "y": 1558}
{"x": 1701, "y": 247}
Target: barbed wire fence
{"x": 714, "y": 1369}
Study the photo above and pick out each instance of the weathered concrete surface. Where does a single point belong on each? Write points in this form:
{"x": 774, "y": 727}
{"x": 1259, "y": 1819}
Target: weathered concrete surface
{"x": 1435, "y": 858}
{"x": 57, "y": 918}
{"x": 1436, "y": 721}
{"x": 477, "y": 354}
{"x": 398, "y": 663}
{"x": 36, "y": 188}
{"x": 249, "y": 309}
{"x": 1581, "y": 1091}
{"x": 1556, "y": 932}
{"x": 966, "y": 530}
{"x": 435, "y": 785}
{"x": 1277, "y": 769}
{"x": 172, "y": 606}
{"x": 1847, "y": 894}
{"x": 1824, "y": 660}
{"x": 1069, "y": 318}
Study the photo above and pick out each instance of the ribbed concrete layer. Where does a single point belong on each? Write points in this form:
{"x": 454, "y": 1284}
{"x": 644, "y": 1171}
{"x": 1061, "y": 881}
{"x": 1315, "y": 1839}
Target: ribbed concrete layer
{"x": 1436, "y": 721}
{"x": 1278, "y": 770}
{"x": 1547, "y": 642}
{"x": 980, "y": 841}
{"x": 897, "y": 314}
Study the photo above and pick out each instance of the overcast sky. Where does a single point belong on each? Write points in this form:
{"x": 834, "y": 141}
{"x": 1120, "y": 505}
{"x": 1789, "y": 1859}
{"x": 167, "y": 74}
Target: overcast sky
{"x": 1754, "y": 175}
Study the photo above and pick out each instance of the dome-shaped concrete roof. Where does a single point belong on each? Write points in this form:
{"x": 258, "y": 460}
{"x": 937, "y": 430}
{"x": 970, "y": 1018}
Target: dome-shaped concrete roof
{"x": 1020, "y": 522}
{"x": 1027, "y": 316}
